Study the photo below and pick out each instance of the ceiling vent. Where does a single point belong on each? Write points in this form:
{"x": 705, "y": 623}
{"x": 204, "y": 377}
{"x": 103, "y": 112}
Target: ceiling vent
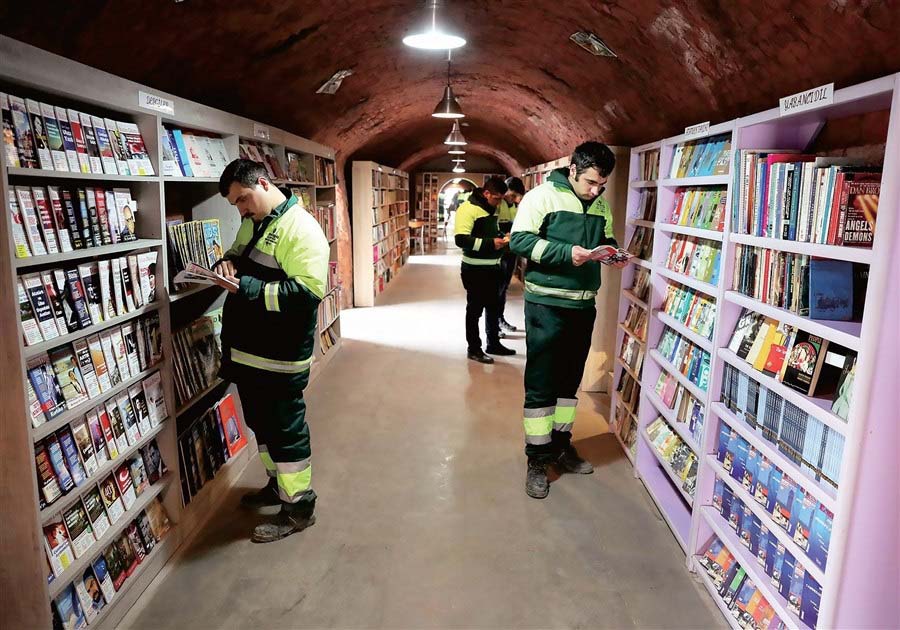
{"x": 334, "y": 83}
{"x": 592, "y": 44}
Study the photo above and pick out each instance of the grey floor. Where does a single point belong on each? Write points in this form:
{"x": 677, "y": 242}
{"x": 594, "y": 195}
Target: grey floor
{"x": 422, "y": 517}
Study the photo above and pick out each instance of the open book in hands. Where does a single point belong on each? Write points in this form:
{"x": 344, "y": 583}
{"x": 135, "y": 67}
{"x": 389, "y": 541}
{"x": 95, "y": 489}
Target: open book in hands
{"x": 200, "y": 275}
{"x": 609, "y": 255}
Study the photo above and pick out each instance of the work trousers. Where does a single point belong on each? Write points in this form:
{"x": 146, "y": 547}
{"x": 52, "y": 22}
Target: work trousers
{"x": 482, "y": 293}
{"x": 507, "y": 268}
{"x": 558, "y": 341}
{"x": 278, "y": 418}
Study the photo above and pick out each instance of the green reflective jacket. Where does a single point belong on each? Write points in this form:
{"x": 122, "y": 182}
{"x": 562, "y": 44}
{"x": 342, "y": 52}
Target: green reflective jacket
{"x": 269, "y": 325}
{"x": 550, "y": 220}
{"x": 476, "y": 229}
{"x": 506, "y": 214}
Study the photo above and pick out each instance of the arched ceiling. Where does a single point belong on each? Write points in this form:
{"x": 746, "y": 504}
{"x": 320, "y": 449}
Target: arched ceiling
{"x": 530, "y": 93}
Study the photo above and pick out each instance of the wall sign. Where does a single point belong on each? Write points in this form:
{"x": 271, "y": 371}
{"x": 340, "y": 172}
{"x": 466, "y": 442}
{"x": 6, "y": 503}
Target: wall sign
{"x": 260, "y": 131}
{"x": 156, "y": 103}
{"x": 821, "y": 96}
{"x": 697, "y": 131}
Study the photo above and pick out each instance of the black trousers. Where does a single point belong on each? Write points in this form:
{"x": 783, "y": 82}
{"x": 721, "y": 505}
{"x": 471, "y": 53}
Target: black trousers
{"x": 507, "y": 267}
{"x": 482, "y": 295}
{"x": 558, "y": 341}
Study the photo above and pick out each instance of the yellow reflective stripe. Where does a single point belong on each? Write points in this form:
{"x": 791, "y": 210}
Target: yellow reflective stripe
{"x": 478, "y": 243}
{"x": 267, "y": 462}
{"x": 271, "y": 290}
{"x": 538, "y": 426}
{"x": 565, "y": 410}
{"x": 271, "y": 365}
{"x": 538, "y": 250}
{"x": 292, "y": 484}
{"x": 480, "y": 261}
{"x": 568, "y": 294}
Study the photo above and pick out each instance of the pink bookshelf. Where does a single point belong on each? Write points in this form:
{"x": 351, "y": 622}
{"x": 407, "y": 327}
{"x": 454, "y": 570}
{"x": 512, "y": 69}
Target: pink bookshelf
{"x": 859, "y": 582}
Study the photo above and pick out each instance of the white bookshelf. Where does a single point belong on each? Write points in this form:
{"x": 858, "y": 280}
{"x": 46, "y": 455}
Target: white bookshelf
{"x": 380, "y": 228}
{"x": 30, "y": 72}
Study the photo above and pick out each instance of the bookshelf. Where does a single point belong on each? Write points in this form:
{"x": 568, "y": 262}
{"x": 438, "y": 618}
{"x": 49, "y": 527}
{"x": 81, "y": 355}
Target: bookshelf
{"x": 380, "y": 228}
{"x": 32, "y": 73}
{"x": 852, "y": 585}
{"x": 427, "y": 205}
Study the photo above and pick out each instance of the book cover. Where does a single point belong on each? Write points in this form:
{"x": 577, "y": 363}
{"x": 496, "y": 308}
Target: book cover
{"x": 90, "y": 141}
{"x": 210, "y": 157}
{"x": 73, "y": 220}
{"x": 68, "y": 607}
{"x": 59, "y": 549}
{"x": 119, "y": 347}
{"x": 146, "y": 266}
{"x": 109, "y": 436}
{"x": 112, "y": 216}
{"x": 102, "y": 214}
{"x": 17, "y": 226}
{"x": 129, "y": 419}
{"x": 196, "y": 154}
{"x": 156, "y": 402}
{"x": 116, "y": 280}
{"x": 170, "y": 166}
{"x": 118, "y": 425}
{"x": 107, "y": 307}
{"x": 54, "y": 138}
{"x": 68, "y": 140}
{"x": 109, "y": 357}
{"x": 68, "y": 374}
{"x": 86, "y": 365}
{"x": 128, "y": 335}
{"x": 71, "y": 455}
{"x": 820, "y": 536}
{"x": 58, "y": 214}
{"x": 39, "y": 133}
{"x": 159, "y": 519}
{"x": 81, "y": 536}
{"x": 844, "y": 393}
{"x": 135, "y": 281}
{"x": 801, "y": 518}
{"x": 127, "y": 285}
{"x": 137, "y": 545}
{"x": 784, "y": 501}
{"x": 89, "y": 274}
{"x": 47, "y": 481}
{"x": 138, "y": 474}
{"x": 184, "y": 158}
{"x": 804, "y": 362}
{"x": 138, "y": 159}
{"x": 30, "y": 221}
{"x": 130, "y": 561}
{"x": 104, "y": 145}
{"x": 9, "y": 132}
{"x": 115, "y": 564}
{"x": 45, "y": 216}
{"x": 81, "y": 150}
{"x": 141, "y": 409}
{"x": 46, "y": 387}
{"x": 830, "y": 289}
{"x": 40, "y": 306}
{"x": 125, "y": 208}
{"x": 102, "y": 573}
{"x": 85, "y": 445}
{"x": 862, "y": 212}
{"x": 118, "y": 146}
{"x": 125, "y": 486}
{"x": 97, "y": 437}
{"x": 25, "y": 141}
{"x": 87, "y": 203}
{"x": 90, "y": 594}
{"x": 146, "y": 532}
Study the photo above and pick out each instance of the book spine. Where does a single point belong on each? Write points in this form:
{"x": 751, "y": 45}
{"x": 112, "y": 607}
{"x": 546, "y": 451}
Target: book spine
{"x": 72, "y": 219}
{"x": 17, "y": 226}
{"x": 30, "y": 327}
{"x": 38, "y": 129}
{"x": 62, "y": 117}
{"x": 93, "y": 149}
{"x": 46, "y": 219}
{"x": 76, "y": 293}
{"x": 88, "y": 199}
{"x": 54, "y": 138}
{"x": 102, "y": 215}
{"x": 30, "y": 217}
{"x": 59, "y": 217}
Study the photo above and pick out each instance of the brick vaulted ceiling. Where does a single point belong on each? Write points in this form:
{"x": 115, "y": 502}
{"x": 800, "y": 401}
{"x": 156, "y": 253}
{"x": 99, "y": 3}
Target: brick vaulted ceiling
{"x": 529, "y": 93}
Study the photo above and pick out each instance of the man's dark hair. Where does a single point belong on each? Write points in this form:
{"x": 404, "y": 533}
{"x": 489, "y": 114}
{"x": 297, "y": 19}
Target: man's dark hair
{"x": 593, "y": 155}
{"x": 244, "y": 172}
{"x": 495, "y": 185}
{"x": 515, "y": 185}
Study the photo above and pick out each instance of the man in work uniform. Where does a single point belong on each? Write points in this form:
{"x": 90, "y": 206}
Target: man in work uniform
{"x": 557, "y": 225}
{"x": 505, "y": 217}
{"x": 482, "y": 244}
{"x": 280, "y": 262}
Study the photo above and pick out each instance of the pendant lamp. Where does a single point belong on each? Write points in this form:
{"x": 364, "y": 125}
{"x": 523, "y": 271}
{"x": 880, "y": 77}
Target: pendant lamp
{"x": 455, "y": 138}
{"x": 432, "y": 37}
{"x": 448, "y": 107}
{"x": 456, "y": 152}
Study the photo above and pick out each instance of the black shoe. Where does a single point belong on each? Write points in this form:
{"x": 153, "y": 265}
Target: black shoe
{"x": 288, "y": 521}
{"x": 499, "y": 350}
{"x": 537, "y": 485}
{"x": 570, "y": 461}
{"x": 501, "y": 334}
{"x": 262, "y": 498}
{"x": 480, "y": 356}
{"x": 505, "y": 325}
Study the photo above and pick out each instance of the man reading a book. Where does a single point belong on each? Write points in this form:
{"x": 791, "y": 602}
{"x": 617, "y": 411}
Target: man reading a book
{"x": 276, "y": 272}
{"x": 558, "y": 227}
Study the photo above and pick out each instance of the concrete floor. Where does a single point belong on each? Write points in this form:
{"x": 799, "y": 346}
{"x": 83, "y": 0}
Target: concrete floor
{"x": 422, "y": 517}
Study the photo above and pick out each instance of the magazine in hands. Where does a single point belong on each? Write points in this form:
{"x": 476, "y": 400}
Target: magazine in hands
{"x": 200, "y": 275}
{"x": 609, "y": 255}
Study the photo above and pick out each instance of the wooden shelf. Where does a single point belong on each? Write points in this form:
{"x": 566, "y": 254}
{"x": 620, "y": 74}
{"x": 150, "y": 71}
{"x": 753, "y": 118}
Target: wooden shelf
{"x": 664, "y": 363}
{"x": 705, "y": 287}
{"x": 40, "y": 348}
{"x": 694, "y": 337}
{"x": 89, "y": 253}
{"x": 642, "y": 223}
{"x": 671, "y": 417}
{"x": 15, "y": 171}
{"x": 199, "y": 288}
{"x": 290, "y": 182}
{"x": 624, "y": 446}
{"x": 671, "y": 474}
{"x": 836, "y": 252}
{"x": 703, "y": 180}
{"x": 631, "y": 297}
{"x": 640, "y": 262}
{"x": 647, "y": 183}
{"x": 632, "y": 334}
{"x": 196, "y": 180}
{"x": 197, "y": 397}
{"x": 628, "y": 369}
{"x": 706, "y": 234}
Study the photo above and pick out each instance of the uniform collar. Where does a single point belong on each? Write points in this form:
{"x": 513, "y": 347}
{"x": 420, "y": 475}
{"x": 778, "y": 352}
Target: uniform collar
{"x": 284, "y": 206}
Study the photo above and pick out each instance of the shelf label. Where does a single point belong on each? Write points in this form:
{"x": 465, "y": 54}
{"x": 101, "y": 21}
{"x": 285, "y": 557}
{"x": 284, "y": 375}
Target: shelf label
{"x": 815, "y": 98}
{"x": 697, "y": 131}
{"x": 261, "y": 132}
{"x": 156, "y": 103}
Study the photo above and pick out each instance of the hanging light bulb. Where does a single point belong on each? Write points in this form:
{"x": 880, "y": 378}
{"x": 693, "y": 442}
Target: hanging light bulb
{"x": 433, "y": 38}
{"x": 458, "y": 169}
{"x": 448, "y": 107}
{"x": 456, "y": 152}
{"x": 455, "y": 138}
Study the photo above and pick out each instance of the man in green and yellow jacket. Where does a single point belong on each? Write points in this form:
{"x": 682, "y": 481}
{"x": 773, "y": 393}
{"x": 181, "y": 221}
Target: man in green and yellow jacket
{"x": 557, "y": 225}
{"x": 505, "y": 217}
{"x": 279, "y": 262}
{"x": 478, "y": 236}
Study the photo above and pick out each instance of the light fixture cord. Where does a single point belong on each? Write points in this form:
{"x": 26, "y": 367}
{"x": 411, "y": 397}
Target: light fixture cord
{"x": 449, "y": 52}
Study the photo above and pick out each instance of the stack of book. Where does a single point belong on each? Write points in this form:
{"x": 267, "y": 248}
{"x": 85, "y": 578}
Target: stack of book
{"x": 82, "y": 601}
{"x": 709, "y": 156}
{"x": 264, "y": 154}
{"x": 329, "y": 309}
{"x": 647, "y": 204}
{"x": 690, "y": 360}
{"x": 198, "y": 355}
{"x": 324, "y": 214}
{"x": 641, "y": 244}
{"x": 693, "y": 309}
{"x": 703, "y": 208}
{"x": 792, "y": 196}
{"x": 53, "y": 219}
{"x": 640, "y": 287}
{"x": 333, "y": 281}
{"x": 636, "y": 321}
{"x": 626, "y": 429}
{"x": 675, "y": 451}
{"x": 198, "y": 242}
{"x": 695, "y": 257}
{"x": 648, "y": 165}
{"x": 632, "y": 353}
{"x": 305, "y": 195}
{"x": 325, "y": 173}
{"x": 297, "y": 167}
{"x": 38, "y": 135}
{"x": 207, "y": 444}
{"x": 193, "y": 154}
{"x": 816, "y": 448}
{"x": 629, "y": 390}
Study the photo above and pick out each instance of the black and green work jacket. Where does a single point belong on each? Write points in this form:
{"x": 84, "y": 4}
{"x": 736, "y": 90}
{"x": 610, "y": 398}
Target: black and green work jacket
{"x": 476, "y": 229}
{"x": 551, "y": 219}
{"x": 269, "y": 325}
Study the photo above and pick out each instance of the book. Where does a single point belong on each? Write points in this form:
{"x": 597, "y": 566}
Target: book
{"x": 135, "y": 281}
{"x": 117, "y": 140}
{"x": 830, "y": 289}
{"x": 39, "y": 133}
{"x": 129, "y": 419}
{"x": 128, "y": 335}
{"x": 153, "y": 462}
{"x": 184, "y": 158}
{"x": 112, "y": 216}
{"x": 137, "y": 545}
{"x": 46, "y": 387}
{"x": 196, "y": 154}
{"x": 32, "y": 224}
{"x": 17, "y": 226}
{"x": 141, "y": 409}
{"x": 138, "y": 159}
{"x": 138, "y": 474}
{"x": 90, "y": 141}
{"x": 68, "y": 374}
{"x": 109, "y": 357}
{"x": 125, "y": 209}
{"x": 49, "y": 486}
{"x": 98, "y": 437}
{"x": 146, "y": 265}
{"x": 40, "y": 306}
{"x": 68, "y": 139}
{"x": 68, "y": 608}
{"x": 107, "y": 306}
{"x": 170, "y": 165}
{"x": 804, "y": 362}
{"x": 72, "y": 218}
{"x": 126, "y": 552}
{"x": 9, "y": 132}
{"x": 226, "y": 413}
{"x": 46, "y": 218}
{"x": 156, "y": 402}
{"x": 81, "y": 536}
{"x": 116, "y": 281}
{"x": 126, "y": 281}
{"x": 89, "y": 274}
{"x": 159, "y": 519}
{"x": 115, "y": 564}
{"x": 59, "y": 549}
{"x": 71, "y": 455}
{"x": 104, "y": 145}
{"x": 146, "y": 532}
{"x": 25, "y": 140}
{"x": 117, "y": 424}
{"x": 102, "y": 573}
{"x": 125, "y": 485}
{"x": 57, "y": 213}
{"x": 90, "y": 594}
{"x": 54, "y": 138}
{"x": 87, "y": 203}
{"x": 85, "y": 445}
{"x": 81, "y": 149}
{"x": 99, "y": 196}
{"x": 121, "y": 352}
